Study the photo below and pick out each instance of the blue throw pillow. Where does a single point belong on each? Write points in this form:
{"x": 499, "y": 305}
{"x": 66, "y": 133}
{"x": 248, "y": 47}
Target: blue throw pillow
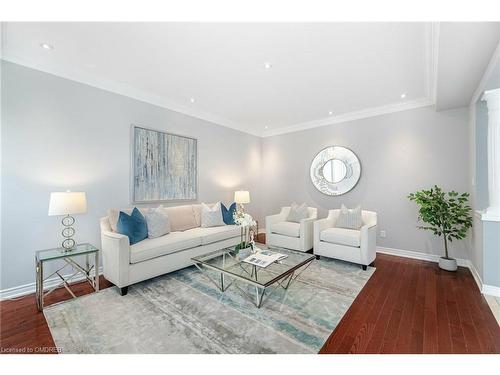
{"x": 228, "y": 214}
{"x": 133, "y": 226}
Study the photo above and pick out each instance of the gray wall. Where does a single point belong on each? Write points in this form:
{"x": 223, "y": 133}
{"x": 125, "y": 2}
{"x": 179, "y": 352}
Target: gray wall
{"x": 399, "y": 154}
{"x": 58, "y": 134}
{"x": 491, "y": 243}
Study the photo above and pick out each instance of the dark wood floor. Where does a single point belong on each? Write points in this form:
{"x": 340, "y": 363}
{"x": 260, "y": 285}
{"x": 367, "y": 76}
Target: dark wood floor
{"x": 411, "y": 306}
{"x": 407, "y": 306}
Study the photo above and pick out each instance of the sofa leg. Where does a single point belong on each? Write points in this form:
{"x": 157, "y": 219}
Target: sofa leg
{"x": 318, "y": 257}
{"x": 124, "y": 291}
{"x": 364, "y": 267}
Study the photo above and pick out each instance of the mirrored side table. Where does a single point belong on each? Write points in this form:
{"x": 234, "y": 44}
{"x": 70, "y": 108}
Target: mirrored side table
{"x": 89, "y": 271}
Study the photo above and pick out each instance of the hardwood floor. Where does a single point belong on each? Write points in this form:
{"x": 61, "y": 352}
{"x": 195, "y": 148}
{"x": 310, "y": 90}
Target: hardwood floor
{"x": 23, "y": 329}
{"x": 411, "y": 306}
{"x": 407, "y": 306}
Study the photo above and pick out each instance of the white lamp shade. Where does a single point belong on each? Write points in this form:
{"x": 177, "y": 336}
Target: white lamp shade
{"x": 242, "y": 196}
{"x": 67, "y": 203}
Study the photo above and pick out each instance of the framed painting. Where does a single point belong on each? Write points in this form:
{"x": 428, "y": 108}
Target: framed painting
{"x": 164, "y": 166}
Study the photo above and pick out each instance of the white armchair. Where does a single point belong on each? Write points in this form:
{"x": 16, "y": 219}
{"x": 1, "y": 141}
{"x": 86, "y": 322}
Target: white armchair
{"x": 357, "y": 246}
{"x": 290, "y": 235}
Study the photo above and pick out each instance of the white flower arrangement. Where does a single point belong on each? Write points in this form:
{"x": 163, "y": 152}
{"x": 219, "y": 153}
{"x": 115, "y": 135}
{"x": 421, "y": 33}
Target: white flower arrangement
{"x": 244, "y": 220}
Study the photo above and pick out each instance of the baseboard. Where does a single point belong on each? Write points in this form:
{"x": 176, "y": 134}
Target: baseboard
{"x": 417, "y": 255}
{"x": 476, "y": 276}
{"x": 22, "y": 290}
{"x": 491, "y": 290}
{"x": 483, "y": 288}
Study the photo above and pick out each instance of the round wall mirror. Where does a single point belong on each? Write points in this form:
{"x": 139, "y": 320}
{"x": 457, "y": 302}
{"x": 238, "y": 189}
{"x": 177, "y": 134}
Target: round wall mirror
{"x": 335, "y": 170}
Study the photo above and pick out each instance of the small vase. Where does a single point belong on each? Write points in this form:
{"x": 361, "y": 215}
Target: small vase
{"x": 448, "y": 264}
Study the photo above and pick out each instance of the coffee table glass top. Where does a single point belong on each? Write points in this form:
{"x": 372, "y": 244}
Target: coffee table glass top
{"x": 230, "y": 262}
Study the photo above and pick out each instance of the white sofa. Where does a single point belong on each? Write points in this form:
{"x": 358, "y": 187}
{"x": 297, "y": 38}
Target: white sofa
{"x": 357, "y": 246}
{"x": 124, "y": 264}
{"x": 290, "y": 235}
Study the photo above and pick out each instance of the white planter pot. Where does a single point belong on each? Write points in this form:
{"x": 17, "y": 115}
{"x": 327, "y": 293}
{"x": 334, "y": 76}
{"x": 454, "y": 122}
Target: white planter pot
{"x": 448, "y": 264}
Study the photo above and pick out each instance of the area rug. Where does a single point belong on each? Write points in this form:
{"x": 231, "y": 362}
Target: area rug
{"x": 183, "y": 312}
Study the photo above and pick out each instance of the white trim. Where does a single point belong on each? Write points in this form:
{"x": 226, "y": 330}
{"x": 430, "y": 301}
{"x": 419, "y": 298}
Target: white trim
{"x": 351, "y": 116}
{"x": 131, "y": 92}
{"x": 417, "y": 255}
{"x": 30, "y": 288}
{"x": 432, "y": 50}
{"x": 433, "y": 60}
{"x": 490, "y": 217}
{"x": 486, "y": 76}
{"x": 491, "y": 290}
{"x": 476, "y": 276}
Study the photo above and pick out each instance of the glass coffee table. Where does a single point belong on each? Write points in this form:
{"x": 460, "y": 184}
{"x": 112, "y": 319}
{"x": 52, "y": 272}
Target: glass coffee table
{"x": 225, "y": 268}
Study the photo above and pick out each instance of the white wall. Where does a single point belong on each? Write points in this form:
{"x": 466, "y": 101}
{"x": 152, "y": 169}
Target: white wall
{"x": 58, "y": 134}
{"x": 399, "y": 154}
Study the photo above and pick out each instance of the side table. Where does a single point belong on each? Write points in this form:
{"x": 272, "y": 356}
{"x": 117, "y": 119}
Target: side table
{"x": 44, "y": 256}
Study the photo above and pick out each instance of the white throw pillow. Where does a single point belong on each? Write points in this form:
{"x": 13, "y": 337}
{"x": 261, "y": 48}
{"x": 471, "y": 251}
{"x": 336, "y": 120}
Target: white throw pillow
{"x": 349, "y": 219}
{"x": 297, "y": 213}
{"x": 211, "y": 216}
{"x": 157, "y": 221}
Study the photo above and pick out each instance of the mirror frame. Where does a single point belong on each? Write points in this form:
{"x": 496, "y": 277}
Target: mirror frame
{"x": 351, "y": 162}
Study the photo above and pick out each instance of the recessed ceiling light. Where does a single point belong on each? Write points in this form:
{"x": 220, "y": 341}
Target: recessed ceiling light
{"x": 330, "y": 113}
{"x": 192, "y": 100}
{"x": 403, "y": 95}
{"x": 268, "y": 65}
{"x": 47, "y": 46}
{"x": 266, "y": 127}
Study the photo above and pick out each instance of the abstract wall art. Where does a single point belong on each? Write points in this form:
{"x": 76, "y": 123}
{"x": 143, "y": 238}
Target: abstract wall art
{"x": 164, "y": 166}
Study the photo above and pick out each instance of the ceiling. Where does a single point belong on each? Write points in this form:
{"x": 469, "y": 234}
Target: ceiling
{"x": 319, "y": 74}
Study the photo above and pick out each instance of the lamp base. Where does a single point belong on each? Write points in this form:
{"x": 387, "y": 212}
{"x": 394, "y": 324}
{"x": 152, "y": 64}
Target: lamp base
{"x": 68, "y": 232}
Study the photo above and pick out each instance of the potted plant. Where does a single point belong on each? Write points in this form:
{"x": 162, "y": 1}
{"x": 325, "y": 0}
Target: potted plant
{"x": 246, "y": 222}
{"x": 445, "y": 214}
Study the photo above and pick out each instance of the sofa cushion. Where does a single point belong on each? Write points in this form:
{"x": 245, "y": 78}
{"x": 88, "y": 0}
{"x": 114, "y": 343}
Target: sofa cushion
{"x": 297, "y": 212}
{"x": 215, "y": 234}
{"x": 341, "y": 236}
{"x": 286, "y": 228}
{"x": 167, "y": 244}
{"x": 349, "y": 219}
{"x": 114, "y": 213}
{"x": 181, "y": 217}
{"x": 134, "y": 226}
{"x": 158, "y": 224}
{"x": 211, "y": 216}
{"x": 228, "y": 213}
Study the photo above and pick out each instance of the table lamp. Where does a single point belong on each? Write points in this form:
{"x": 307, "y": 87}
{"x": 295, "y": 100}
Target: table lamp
{"x": 67, "y": 203}
{"x": 241, "y": 197}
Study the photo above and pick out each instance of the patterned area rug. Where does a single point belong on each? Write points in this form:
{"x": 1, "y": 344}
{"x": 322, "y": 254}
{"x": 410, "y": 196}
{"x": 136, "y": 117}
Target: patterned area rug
{"x": 183, "y": 312}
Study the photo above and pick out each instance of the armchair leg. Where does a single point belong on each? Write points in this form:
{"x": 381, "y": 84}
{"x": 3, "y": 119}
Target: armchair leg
{"x": 124, "y": 291}
{"x": 364, "y": 267}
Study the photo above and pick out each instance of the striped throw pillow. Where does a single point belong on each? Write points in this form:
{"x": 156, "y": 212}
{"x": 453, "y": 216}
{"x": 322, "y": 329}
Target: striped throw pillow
{"x": 349, "y": 219}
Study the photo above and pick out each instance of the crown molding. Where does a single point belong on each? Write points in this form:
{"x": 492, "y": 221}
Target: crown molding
{"x": 432, "y": 50}
{"x": 131, "y": 92}
{"x": 351, "y": 116}
{"x": 433, "y": 60}
{"x": 431, "y": 53}
{"x": 486, "y": 76}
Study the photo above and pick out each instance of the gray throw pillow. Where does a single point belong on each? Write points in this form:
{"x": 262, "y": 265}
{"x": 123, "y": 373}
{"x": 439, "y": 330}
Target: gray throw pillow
{"x": 297, "y": 213}
{"x": 349, "y": 219}
{"x": 211, "y": 216}
{"x": 158, "y": 222}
